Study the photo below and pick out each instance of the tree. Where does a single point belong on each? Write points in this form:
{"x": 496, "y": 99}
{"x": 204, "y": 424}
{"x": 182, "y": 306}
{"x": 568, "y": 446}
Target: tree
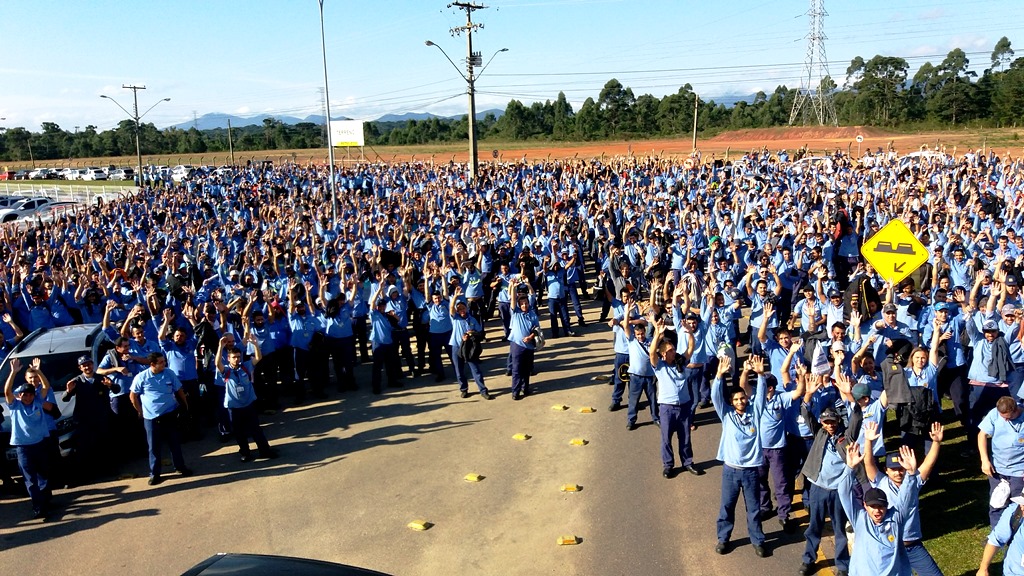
{"x": 616, "y": 106}
{"x": 562, "y": 125}
{"x": 879, "y": 83}
{"x": 1002, "y": 54}
{"x": 588, "y": 121}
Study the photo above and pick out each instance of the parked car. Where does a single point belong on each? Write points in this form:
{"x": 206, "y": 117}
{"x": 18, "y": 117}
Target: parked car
{"x": 24, "y": 208}
{"x": 21, "y": 175}
{"x": 58, "y": 349}
{"x": 7, "y": 174}
{"x": 54, "y": 210}
{"x": 181, "y": 172}
{"x": 121, "y": 174}
{"x": 94, "y": 174}
{"x": 40, "y": 174}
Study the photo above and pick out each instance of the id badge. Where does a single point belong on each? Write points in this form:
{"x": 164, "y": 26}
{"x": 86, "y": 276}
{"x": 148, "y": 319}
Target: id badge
{"x": 240, "y": 391}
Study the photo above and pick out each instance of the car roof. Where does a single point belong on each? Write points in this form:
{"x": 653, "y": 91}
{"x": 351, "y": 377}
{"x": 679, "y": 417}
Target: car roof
{"x": 77, "y": 337}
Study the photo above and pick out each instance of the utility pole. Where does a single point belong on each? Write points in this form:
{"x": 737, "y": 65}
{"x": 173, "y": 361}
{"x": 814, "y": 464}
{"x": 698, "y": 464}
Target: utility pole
{"x": 138, "y": 125}
{"x": 231, "y": 148}
{"x": 472, "y": 60}
{"x": 327, "y": 120}
{"x": 696, "y": 99}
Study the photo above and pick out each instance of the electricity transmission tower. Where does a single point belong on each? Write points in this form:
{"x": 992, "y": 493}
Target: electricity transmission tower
{"x": 813, "y": 100}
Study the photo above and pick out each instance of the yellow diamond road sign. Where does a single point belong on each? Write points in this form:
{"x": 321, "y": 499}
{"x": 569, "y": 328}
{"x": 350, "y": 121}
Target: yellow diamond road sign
{"x": 894, "y": 251}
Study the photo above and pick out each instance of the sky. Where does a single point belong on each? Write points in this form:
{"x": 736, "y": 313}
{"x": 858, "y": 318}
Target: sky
{"x": 249, "y": 57}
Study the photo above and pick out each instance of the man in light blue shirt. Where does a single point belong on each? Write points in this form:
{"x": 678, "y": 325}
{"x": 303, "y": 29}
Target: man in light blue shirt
{"x": 675, "y": 399}
{"x": 739, "y": 449}
{"x": 641, "y": 375}
{"x": 156, "y": 394}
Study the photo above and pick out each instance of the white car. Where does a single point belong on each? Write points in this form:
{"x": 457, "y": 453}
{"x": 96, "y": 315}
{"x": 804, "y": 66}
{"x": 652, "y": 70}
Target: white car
{"x": 122, "y": 174}
{"x": 25, "y": 208}
{"x": 40, "y": 174}
{"x": 181, "y": 172}
{"x": 94, "y": 174}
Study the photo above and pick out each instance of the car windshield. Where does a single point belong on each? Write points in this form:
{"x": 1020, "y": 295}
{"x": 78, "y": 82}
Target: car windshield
{"x": 58, "y": 369}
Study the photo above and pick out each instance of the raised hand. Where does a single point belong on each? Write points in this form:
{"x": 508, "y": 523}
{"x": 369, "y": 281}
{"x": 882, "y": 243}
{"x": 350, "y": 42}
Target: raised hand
{"x": 854, "y": 456}
{"x": 908, "y": 459}
{"x": 936, "y": 432}
{"x": 871, "y": 431}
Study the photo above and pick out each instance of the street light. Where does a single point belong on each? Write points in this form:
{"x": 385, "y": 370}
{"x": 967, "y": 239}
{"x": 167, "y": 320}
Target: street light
{"x": 327, "y": 121}
{"x": 471, "y": 90}
{"x": 134, "y": 115}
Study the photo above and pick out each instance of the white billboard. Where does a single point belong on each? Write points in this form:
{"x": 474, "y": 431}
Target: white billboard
{"x": 347, "y": 132}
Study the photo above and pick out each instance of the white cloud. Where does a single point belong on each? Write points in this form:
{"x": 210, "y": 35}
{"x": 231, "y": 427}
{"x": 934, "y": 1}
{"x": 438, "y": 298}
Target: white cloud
{"x": 243, "y": 110}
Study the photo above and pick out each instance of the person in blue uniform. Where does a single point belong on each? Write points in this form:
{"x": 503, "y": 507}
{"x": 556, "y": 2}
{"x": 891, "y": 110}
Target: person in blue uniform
{"x": 641, "y": 376}
{"x": 521, "y": 338}
{"x": 440, "y": 323}
{"x": 625, "y": 314}
{"x": 774, "y": 406}
{"x": 240, "y": 397}
{"x": 1006, "y": 534}
{"x": 29, "y": 430}
{"x": 739, "y": 450}
{"x": 385, "y": 357}
{"x": 157, "y": 396}
{"x": 891, "y": 482}
{"x": 675, "y": 399}
{"x": 878, "y": 528}
{"x": 304, "y": 324}
{"x": 823, "y": 468}
{"x": 464, "y": 328}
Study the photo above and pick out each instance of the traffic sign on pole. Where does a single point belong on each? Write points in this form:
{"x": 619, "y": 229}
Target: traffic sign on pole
{"x": 894, "y": 252}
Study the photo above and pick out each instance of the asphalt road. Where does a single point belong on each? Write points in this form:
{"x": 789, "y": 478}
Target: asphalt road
{"x": 356, "y": 469}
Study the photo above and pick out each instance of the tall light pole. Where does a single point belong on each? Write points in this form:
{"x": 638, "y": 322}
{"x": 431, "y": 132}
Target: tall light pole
{"x": 327, "y": 104}
{"x": 134, "y": 115}
{"x": 474, "y": 60}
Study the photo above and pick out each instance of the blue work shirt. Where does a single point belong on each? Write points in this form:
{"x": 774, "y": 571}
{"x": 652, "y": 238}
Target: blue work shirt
{"x": 238, "y": 385}
{"x": 181, "y": 359}
{"x": 1000, "y": 535}
{"x": 521, "y": 325}
{"x": 672, "y": 385}
{"x": 879, "y": 550}
{"x": 772, "y": 424}
{"x": 1007, "y": 442}
{"x": 739, "y": 446}
{"x": 639, "y": 356}
{"x": 303, "y": 327}
{"x": 156, "y": 392}
{"x": 28, "y": 422}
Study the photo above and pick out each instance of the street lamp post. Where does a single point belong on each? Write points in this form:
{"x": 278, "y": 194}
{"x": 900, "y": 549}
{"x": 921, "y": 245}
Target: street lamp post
{"x": 134, "y": 115}
{"x": 471, "y": 62}
{"x": 327, "y": 121}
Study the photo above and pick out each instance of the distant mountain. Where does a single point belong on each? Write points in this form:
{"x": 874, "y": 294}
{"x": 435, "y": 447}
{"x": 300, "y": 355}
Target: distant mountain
{"x": 216, "y": 120}
{"x": 730, "y": 100}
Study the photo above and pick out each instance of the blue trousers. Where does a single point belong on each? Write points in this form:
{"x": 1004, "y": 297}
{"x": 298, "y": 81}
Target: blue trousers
{"x": 921, "y": 561}
{"x": 573, "y": 292}
{"x": 638, "y": 384}
{"x": 505, "y": 312}
{"x": 160, "y": 430}
{"x": 460, "y": 372}
{"x": 385, "y": 357}
{"x": 522, "y": 364}
{"x": 775, "y": 463}
{"x": 34, "y": 461}
{"x": 675, "y": 420}
{"x": 439, "y": 342}
{"x": 695, "y": 382}
{"x": 824, "y": 503}
{"x": 734, "y": 481}
{"x": 246, "y": 424}
{"x": 558, "y": 308}
{"x": 619, "y": 386}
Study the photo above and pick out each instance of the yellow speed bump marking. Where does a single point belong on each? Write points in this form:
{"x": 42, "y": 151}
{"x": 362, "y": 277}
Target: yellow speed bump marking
{"x": 571, "y": 488}
{"x": 568, "y": 540}
{"x": 420, "y": 525}
{"x": 578, "y": 442}
{"x": 588, "y": 410}
{"x": 521, "y": 436}
{"x": 559, "y": 407}
{"x": 473, "y": 478}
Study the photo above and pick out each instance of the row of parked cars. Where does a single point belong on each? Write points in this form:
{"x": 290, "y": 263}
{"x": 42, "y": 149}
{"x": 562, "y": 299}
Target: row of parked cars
{"x": 93, "y": 173}
{"x": 15, "y": 207}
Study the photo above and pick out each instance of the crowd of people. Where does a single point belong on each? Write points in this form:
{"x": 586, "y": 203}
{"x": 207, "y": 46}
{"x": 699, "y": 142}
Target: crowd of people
{"x": 737, "y": 284}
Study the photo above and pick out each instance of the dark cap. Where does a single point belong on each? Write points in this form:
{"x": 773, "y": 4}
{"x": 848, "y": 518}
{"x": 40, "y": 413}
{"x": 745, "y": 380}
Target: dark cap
{"x": 889, "y": 308}
{"x": 1010, "y": 281}
{"x": 26, "y": 387}
{"x": 892, "y": 460}
{"x": 876, "y": 497}
{"x": 692, "y": 316}
{"x": 990, "y": 326}
{"x": 84, "y": 359}
{"x": 829, "y": 414}
{"x": 834, "y": 294}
